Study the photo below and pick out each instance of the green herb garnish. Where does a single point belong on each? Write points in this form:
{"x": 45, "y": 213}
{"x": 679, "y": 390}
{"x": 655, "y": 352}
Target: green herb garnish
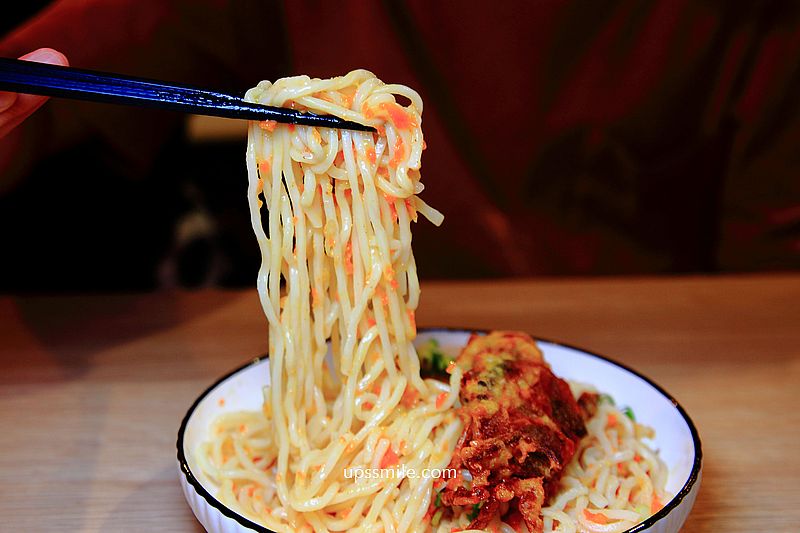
{"x": 476, "y": 509}
{"x": 432, "y": 359}
{"x": 629, "y": 413}
{"x": 607, "y": 398}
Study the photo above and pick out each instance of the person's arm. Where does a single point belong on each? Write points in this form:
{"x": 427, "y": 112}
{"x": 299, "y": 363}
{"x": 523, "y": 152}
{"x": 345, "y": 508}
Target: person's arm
{"x": 219, "y": 44}
{"x": 94, "y": 34}
{"x": 15, "y": 108}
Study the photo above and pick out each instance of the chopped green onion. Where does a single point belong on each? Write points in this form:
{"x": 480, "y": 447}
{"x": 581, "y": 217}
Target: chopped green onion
{"x": 438, "y": 501}
{"x": 437, "y": 516}
{"x": 607, "y": 398}
{"x": 432, "y": 358}
{"x": 629, "y": 413}
{"x": 476, "y": 509}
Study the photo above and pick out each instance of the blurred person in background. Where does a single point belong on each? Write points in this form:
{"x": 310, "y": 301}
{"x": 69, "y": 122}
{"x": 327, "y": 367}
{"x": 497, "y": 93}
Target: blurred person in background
{"x": 565, "y": 137}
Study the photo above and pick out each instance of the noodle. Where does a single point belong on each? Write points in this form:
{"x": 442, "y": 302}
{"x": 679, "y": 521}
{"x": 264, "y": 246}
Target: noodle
{"x": 614, "y": 476}
{"x": 337, "y": 270}
{"x": 614, "y": 481}
{"x": 339, "y": 288}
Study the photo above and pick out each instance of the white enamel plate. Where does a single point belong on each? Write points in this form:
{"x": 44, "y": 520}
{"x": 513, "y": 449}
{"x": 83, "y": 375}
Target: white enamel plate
{"x": 676, "y": 437}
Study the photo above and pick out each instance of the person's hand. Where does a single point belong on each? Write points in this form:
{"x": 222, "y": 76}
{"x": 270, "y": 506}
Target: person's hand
{"x": 14, "y": 108}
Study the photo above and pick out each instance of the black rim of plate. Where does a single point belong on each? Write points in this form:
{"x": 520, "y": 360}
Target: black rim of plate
{"x": 673, "y": 503}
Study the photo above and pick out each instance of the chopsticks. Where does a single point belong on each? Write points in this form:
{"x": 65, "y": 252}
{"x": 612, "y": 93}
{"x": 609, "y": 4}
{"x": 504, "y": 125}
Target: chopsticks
{"x": 50, "y": 80}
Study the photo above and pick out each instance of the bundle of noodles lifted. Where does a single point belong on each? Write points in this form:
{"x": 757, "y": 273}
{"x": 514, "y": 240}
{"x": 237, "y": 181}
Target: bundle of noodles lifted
{"x": 521, "y": 428}
{"x": 332, "y": 211}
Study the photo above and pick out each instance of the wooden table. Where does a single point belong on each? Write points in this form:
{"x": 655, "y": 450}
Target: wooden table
{"x": 92, "y": 388}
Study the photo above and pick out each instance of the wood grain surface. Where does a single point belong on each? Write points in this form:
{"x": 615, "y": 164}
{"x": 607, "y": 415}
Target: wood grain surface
{"x": 93, "y": 387}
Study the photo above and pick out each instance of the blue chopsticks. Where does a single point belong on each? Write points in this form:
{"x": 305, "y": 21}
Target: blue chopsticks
{"x": 67, "y": 82}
